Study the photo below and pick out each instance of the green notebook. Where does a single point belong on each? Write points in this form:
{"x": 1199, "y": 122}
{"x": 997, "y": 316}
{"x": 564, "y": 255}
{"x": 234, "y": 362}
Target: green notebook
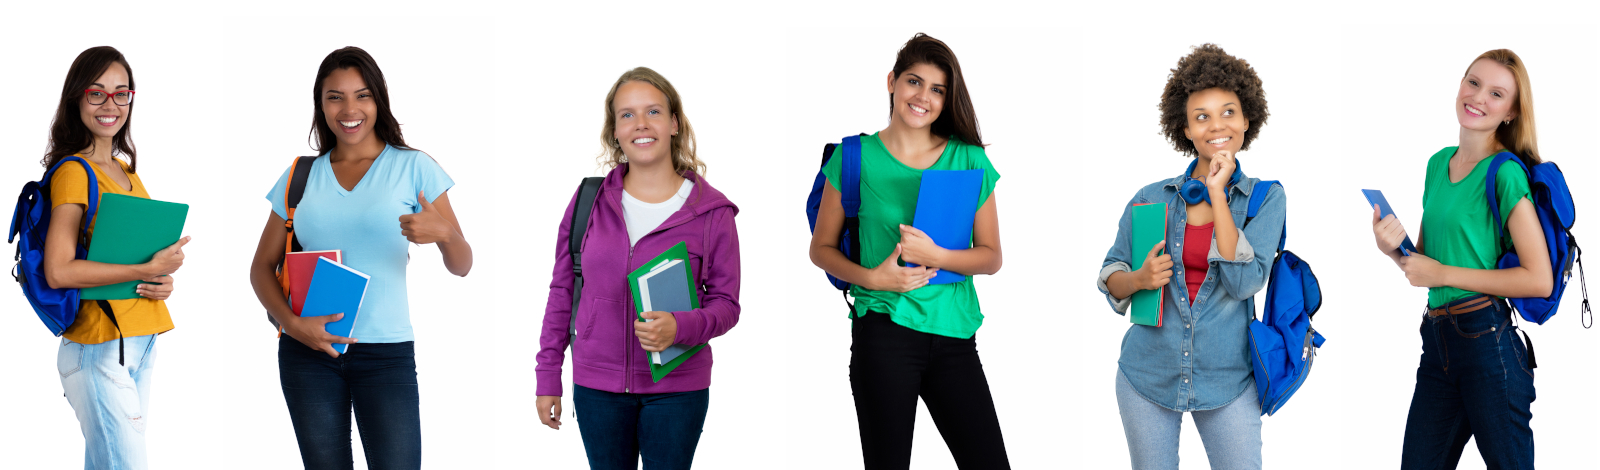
{"x": 662, "y": 272}
{"x": 130, "y": 230}
{"x": 1149, "y": 228}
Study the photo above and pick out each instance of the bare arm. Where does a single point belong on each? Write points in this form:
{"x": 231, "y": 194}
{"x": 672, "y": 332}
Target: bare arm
{"x": 63, "y": 271}
{"x": 983, "y": 258}
{"x": 1532, "y": 279}
{"x": 264, "y": 279}
{"x": 825, "y": 254}
{"x": 456, "y": 251}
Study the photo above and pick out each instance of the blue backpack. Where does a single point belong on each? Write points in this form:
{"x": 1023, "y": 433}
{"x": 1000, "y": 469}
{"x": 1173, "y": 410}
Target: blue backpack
{"x": 57, "y": 308}
{"x": 1553, "y": 203}
{"x": 1282, "y": 342}
{"x": 850, "y": 198}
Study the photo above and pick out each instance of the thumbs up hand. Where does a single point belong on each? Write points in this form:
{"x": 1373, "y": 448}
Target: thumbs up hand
{"x": 427, "y": 225}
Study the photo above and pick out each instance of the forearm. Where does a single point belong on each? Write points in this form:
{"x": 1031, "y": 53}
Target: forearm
{"x": 975, "y": 260}
{"x": 1511, "y": 282}
{"x": 830, "y": 259}
{"x": 81, "y": 273}
{"x": 1121, "y": 284}
{"x": 264, "y": 281}
{"x": 1227, "y": 237}
{"x": 457, "y": 254}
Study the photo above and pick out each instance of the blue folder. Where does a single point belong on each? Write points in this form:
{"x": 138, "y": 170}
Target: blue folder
{"x": 335, "y": 288}
{"x": 947, "y": 202}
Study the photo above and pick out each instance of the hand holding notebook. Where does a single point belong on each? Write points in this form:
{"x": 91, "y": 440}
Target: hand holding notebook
{"x": 1375, "y": 197}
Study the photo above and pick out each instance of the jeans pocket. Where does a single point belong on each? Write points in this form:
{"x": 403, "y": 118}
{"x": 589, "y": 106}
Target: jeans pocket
{"x": 1520, "y": 352}
{"x": 69, "y": 358}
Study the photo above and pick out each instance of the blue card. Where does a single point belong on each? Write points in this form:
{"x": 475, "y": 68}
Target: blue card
{"x": 1376, "y": 197}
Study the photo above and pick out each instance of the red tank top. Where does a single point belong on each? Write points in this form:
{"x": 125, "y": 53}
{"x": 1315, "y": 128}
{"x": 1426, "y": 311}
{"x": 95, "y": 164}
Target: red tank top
{"x": 1194, "y": 256}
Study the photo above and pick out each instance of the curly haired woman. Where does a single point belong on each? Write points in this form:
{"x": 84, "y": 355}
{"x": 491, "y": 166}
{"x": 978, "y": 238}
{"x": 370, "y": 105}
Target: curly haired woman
{"x": 1197, "y": 360}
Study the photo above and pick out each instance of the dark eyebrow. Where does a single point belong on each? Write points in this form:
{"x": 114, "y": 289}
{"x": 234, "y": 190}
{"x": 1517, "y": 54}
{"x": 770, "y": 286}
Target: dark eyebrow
{"x": 1223, "y": 105}
{"x": 919, "y": 77}
{"x": 98, "y": 85}
{"x": 340, "y": 92}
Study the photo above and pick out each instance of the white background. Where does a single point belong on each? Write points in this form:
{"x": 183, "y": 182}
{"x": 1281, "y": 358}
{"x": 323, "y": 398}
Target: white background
{"x": 509, "y": 98}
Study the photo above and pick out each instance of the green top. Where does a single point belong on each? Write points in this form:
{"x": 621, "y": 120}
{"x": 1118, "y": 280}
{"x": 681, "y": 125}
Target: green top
{"x": 889, "y": 198}
{"x": 1457, "y": 229}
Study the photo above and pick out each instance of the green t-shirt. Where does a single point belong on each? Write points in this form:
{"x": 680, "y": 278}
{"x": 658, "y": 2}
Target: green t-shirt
{"x": 888, "y": 199}
{"x": 1457, "y": 229}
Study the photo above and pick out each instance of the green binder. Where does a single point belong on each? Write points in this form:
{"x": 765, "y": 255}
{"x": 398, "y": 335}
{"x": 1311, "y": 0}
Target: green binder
{"x": 130, "y": 230}
{"x": 1149, "y": 228}
{"x": 679, "y": 251}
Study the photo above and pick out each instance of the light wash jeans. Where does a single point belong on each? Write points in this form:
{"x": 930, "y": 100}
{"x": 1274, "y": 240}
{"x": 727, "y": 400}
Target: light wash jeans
{"x": 110, "y": 399}
{"x": 1231, "y": 434}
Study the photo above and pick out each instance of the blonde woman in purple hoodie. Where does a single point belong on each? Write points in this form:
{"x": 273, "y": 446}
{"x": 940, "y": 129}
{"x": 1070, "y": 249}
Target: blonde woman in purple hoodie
{"x": 653, "y": 198}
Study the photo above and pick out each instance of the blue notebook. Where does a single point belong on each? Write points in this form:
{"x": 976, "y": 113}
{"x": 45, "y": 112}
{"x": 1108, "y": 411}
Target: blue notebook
{"x": 947, "y": 202}
{"x": 335, "y": 288}
{"x": 664, "y": 289}
{"x": 1376, "y": 197}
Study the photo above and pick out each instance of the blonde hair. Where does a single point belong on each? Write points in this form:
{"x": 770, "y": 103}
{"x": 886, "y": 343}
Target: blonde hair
{"x": 683, "y": 145}
{"x": 1518, "y": 136}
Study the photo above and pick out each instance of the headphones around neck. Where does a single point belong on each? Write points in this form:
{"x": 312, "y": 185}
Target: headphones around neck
{"x": 1194, "y": 191}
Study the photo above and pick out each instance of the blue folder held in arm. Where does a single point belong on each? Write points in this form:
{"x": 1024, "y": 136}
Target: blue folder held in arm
{"x": 335, "y": 288}
{"x": 1376, "y": 197}
{"x": 947, "y": 202}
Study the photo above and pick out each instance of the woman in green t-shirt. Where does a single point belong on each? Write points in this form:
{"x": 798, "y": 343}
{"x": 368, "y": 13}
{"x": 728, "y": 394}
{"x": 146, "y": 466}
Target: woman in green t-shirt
{"x": 1475, "y": 379}
{"x": 911, "y": 338}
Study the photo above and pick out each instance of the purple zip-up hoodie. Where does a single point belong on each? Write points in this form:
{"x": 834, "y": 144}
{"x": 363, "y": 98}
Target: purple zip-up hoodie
{"x": 607, "y": 356}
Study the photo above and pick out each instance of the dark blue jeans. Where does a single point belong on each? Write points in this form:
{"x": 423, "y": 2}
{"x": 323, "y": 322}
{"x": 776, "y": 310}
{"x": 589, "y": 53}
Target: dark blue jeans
{"x": 379, "y": 380}
{"x": 1474, "y": 382}
{"x": 618, "y": 428}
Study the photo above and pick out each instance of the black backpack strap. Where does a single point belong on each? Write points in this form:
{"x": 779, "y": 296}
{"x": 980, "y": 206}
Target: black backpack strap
{"x": 588, "y": 191}
{"x": 121, "y": 348}
{"x": 296, "y": 191}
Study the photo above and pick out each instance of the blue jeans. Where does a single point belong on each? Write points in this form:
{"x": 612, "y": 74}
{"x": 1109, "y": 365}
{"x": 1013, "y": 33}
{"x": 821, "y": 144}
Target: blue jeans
{"x": 110, "y": 399}
{"x": 1231, "y": 434}
{"x": 379, "y": 380}
{"x": 1474, "y": 381}
{"x": 618, "y": 428}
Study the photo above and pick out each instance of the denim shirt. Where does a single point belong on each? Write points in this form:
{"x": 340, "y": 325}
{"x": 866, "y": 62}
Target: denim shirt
{"x": 1199, "y": 359}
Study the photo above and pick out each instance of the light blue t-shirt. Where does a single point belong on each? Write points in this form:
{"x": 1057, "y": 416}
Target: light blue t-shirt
{"x": 365, "y": 224}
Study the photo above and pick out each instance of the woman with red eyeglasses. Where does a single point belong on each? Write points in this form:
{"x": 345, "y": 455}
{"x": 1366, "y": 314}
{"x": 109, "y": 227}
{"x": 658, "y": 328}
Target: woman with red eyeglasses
{"x": 106, "y": 359}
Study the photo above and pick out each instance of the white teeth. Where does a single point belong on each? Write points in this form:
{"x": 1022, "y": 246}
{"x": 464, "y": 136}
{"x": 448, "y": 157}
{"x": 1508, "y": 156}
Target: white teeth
{"x": 349, "y": 124}
{"x": 1219, "y": 140}
{"x": 106, "y": 119}
{"x": 1474, "y": 111}
{"x": 643, "y": 140}
{"x": 919, "y": 109}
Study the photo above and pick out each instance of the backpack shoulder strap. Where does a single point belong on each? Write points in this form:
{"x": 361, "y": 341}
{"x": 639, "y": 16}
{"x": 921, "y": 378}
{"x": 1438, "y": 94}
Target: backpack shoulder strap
{"x": 850, "y": 176}
{"x": 1491, "y": 192}
{"x": 293, "y": 191}
{"x": 588, "y": 191}
{"x": 1258, "y": 195}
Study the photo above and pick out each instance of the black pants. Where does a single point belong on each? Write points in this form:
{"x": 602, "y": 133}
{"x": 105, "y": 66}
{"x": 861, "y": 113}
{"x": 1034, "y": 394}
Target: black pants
{"x": 891, "y": 365}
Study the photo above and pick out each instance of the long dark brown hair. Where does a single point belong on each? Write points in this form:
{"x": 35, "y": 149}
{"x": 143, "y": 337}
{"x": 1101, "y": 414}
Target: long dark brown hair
{"x": 387, "y": 128}
{"x": 68, "y": 134}
{"x": 958, "y": 120}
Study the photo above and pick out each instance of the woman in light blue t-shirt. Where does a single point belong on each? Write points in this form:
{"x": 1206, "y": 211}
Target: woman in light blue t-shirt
{"x": 369, "y": 196}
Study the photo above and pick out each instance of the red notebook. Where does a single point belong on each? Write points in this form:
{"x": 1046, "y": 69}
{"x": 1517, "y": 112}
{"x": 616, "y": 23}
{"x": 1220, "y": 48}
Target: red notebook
{"x": 301, "y": 265}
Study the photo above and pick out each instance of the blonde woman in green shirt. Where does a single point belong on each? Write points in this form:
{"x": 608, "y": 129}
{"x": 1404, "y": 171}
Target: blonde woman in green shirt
{"x": 911, "y": 339}
{"x": 1475, "y": 379}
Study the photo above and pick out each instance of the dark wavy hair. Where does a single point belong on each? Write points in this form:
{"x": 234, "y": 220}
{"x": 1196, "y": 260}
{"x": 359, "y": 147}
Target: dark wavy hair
{"x": 1206, "y": 68}
{"x": 68, "y": 134}
{"x": 959, "y": 119}
{"x": 386, "y": 128}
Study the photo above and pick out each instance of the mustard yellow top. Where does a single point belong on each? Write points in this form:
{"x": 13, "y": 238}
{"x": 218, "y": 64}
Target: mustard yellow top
{"x": 138, "y": 317}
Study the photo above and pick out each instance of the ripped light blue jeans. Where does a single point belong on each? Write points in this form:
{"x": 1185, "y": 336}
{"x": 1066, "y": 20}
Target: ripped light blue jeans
{"x": 110, "y": 399}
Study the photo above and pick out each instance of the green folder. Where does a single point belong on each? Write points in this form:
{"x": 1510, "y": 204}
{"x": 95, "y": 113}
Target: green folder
{"x": 1149, "y": 228}
{"x": 130, "y": 230}
{"x": 679, "y": 251}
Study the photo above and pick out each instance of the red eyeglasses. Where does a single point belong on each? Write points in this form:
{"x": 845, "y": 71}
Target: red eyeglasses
{"x": 97, "y": 97}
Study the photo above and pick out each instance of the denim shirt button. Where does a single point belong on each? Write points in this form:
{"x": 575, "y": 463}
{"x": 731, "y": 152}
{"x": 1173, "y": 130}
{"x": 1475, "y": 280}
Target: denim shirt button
{"x": 1186, "y": 354}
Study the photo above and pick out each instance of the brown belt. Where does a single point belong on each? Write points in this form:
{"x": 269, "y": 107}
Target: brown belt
{"x": 1473, "y": 304}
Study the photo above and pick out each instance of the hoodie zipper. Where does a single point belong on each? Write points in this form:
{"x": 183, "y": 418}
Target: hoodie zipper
{"x": 627, "y": 353}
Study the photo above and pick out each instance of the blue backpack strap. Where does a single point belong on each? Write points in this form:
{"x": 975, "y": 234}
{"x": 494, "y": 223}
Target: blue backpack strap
{"x": 850, "y": 176}
{"x": 1493, "y": 195}
{"x": 1259, "y": 195}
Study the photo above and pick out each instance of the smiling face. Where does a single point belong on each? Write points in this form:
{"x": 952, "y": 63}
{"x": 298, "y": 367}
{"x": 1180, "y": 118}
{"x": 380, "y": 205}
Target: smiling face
{"x": 1487, "y": 97}
{"x": 919, "y": 94}
{"x": 348, "y": 106}
{"x": 644, "y": 123}
{"x": 105, "y": 119}
{"x": 1216, "y": 122}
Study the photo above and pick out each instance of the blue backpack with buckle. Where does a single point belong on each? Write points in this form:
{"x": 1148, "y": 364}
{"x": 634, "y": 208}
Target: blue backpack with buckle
{"x": 1553, "y": 203}
{"x": 57, "y": 308}
{"x": 850, "y": 198}
{"x": 1282, "y": 342}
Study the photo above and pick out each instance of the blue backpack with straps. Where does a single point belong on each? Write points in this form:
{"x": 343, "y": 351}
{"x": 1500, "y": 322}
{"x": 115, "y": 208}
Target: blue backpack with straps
{"x": 1282, "y": 342}
{"x": 850, "y": 198}
{"x": 57, "y": 308}
{"x": 1553, "y": 203}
